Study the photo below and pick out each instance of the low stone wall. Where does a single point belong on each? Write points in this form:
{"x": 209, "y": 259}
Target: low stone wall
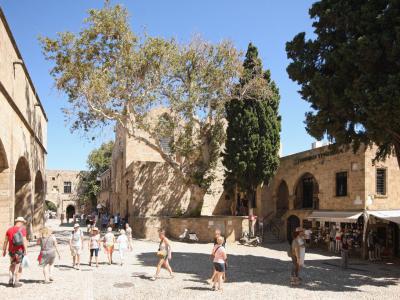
{"x": 204, "y": 226}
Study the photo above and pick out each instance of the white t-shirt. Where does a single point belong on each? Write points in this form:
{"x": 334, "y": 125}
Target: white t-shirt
{"x": 307, "y": 234}
{"x": 76, "y": 238}
{"x": 122, "y": 241}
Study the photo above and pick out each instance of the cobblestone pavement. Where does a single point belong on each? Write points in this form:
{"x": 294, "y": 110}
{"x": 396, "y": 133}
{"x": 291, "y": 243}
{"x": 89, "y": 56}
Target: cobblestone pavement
{"x": 254, "y": 273}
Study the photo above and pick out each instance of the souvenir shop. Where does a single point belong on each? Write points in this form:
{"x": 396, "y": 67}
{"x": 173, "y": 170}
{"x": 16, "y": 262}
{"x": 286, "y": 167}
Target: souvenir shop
{"x": 329, "y": 227}
{"x": 382, "y": 234}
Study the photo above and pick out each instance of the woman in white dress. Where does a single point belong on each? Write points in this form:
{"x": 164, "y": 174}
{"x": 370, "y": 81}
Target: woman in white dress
{"x": 122, "y": 242}
{"x": 129, "y": 235}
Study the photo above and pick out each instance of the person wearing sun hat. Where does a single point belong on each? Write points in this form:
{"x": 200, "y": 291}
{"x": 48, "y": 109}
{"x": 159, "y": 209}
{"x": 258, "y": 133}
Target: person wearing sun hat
{"x": 17, "y": 246}
{"x": 94, "y": 245}
{"x": 76, "y": 246}
{"x": 298, "y": 251}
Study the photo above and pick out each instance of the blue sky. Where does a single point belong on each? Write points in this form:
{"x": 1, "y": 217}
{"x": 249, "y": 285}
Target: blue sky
{"x": 267, "y": 24}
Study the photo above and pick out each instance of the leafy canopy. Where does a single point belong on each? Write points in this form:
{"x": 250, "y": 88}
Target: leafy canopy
{"x": 253, "y": 135}
{"x": 110, "y": 75}
{"x": 350, "y": 73}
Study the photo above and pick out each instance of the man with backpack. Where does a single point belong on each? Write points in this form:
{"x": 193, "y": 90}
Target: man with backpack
{"x": 17, "y": 246}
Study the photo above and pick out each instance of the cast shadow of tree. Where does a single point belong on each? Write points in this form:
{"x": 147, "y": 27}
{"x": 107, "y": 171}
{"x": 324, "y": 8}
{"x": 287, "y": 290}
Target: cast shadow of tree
{"x": 318, "y": 276}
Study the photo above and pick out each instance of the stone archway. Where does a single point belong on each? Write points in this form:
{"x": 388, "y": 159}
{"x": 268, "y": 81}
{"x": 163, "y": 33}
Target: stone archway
{"x": 70, "y": 212}
{"x": 306, "y": 192}
{"x": 38, "y": 204}
{"x": 23, "y": 193}
{"x": 282, "y": 202}
{"x": 292, "y": 223}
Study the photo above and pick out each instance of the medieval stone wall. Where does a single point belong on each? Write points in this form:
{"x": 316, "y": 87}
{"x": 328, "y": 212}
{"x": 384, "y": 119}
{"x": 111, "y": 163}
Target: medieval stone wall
{"x": 23, "y": 139}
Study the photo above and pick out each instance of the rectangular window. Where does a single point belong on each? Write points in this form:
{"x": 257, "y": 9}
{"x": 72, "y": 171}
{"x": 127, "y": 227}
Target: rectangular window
{"x": 341, "y": 184}
{"x": 67, "y": 187}
{"x": 381, "y": 181}
{"x": 53, "y": 178}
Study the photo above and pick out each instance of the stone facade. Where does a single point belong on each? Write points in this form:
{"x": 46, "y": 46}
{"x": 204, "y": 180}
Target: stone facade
{"x": 23, "y": 139}
{"x": 144, "y": 185}
{"x": 317, "y": 171}
{"x": 63, "y": 189}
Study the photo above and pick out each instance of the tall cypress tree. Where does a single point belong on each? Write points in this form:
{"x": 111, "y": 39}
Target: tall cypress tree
{"x": 251, "y": 154}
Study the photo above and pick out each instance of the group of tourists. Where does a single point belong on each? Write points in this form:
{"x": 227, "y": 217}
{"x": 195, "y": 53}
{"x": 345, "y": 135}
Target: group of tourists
{"x": 17, "y": 245}
{"x": 110, "y": 242}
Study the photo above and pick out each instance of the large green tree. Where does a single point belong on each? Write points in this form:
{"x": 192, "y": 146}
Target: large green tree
{"x": 251, "y": 154}
{"x": 112, "y": 75}
{"x": 350, "y": 73}
{"x": 99, "y": 160}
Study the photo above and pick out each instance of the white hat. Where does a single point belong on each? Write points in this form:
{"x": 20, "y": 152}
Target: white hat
{"x": 76, "y": 225}
{"x": 20, "y": 219}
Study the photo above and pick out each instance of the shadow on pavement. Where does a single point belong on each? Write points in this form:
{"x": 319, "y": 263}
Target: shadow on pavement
{"x": 318, "y": 275}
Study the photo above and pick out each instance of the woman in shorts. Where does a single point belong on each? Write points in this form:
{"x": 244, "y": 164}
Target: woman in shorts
{"x": 94, "y": 245}
{"x": 47, "y": 255}
{"x": 164, "y": 254}
{"x": 109, "y": 241}
{"x": 220, "y": 257}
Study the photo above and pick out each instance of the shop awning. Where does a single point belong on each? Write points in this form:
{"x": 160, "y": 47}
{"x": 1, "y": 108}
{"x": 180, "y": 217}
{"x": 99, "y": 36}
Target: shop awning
{"x": 390, "y": 215}
{"x": 336, "y": 216}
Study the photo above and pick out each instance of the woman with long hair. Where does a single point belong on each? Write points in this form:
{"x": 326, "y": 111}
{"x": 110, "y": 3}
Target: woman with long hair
{"x": 164, "y": 254}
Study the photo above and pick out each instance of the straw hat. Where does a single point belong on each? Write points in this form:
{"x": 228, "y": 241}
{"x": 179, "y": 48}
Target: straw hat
{"x": 76, "y": 225}
{"x": 20, "y": 219}
{"x": 299, "y": 229}
{"x": 95, "y": 229}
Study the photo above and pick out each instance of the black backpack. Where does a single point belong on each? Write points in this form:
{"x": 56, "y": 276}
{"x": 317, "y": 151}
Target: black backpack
{"x": 18, "y": 238}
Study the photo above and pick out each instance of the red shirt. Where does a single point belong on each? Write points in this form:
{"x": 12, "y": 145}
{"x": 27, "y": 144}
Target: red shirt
{"x": 10, "y": 233}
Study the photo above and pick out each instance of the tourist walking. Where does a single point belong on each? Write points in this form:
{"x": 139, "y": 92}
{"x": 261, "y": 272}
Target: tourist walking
{"x": 104, "y": 222}
{"x": 298, "y": 252}
{"x": 116, "y": 222}
{"x": 345, "y": 252}
{"x": 128, "y": 231}
{"x": 94, "y": 246}
{"x": 76, "y": 246}
{"x": 164, "y": 254}
{"x": 109, "y": 241}
{"x": 220, "y": 257}
{"x": 17, "y": 244}
{"x": 217, "y": 234}
{"x": 47, "y": 255}
{"x": 123, "y": 245}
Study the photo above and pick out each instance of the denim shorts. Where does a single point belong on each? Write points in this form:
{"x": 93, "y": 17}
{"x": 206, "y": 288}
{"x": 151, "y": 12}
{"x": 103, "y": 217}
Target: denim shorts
{"x": 219, "y": 267}
{"x": 94, "y": 251}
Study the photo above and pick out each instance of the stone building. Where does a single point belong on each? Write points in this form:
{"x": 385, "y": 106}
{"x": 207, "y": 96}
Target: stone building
{"x": 142, "y": 186}
{"x": 63, "y": 189}
{"x": 104, "y": 196}
{"x": 23, "y": 139}
{"x": 322, "y": 186}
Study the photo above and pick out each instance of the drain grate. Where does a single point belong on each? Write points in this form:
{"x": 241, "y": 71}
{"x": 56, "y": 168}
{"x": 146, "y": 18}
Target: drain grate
{"x": 124, "y": 285}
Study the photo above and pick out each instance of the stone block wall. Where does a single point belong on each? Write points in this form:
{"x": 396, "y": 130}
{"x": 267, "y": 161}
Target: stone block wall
{"x": 204, "y": 227}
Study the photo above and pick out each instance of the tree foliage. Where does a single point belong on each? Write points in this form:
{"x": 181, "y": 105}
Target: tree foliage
{"x": 99, "y": 160}
{"x": 350, "y": 73}
{"x": 251, "y": 154}
{"x": 111, "y": 74}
